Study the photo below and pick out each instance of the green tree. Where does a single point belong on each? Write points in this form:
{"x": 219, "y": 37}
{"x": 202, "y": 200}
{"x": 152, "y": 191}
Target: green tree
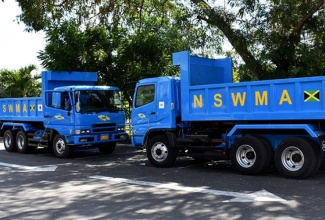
{"x": 139, "y": 45}
{"x": 70, "y": 48}
{"x": 19, "y": 83}
{"x": 274, "y": 38}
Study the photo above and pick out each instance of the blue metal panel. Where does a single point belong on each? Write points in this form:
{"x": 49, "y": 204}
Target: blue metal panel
{"x": 283, "y": 99}
{"x": 21, "y": 109}
{"x": 25, "y": 126}
{"x": 309, "y": 128}
{"x": 200, "y": 71}
{"x": 53, "y": 79}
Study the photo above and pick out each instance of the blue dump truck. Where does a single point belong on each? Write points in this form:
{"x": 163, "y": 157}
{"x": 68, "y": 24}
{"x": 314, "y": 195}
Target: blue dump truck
{"x": 204, "y": 115}
{"x": 72, "y": 113}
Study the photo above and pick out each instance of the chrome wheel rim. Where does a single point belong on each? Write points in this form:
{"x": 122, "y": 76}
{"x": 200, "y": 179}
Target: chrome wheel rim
{"x": 60, "y": 146}
{"x": 159, "y": 152}
{"x": 20, "y": 142}
{"x": 292, "y": 158}
{"x": 246, "y": 156}
{"x": 7, "y": 141}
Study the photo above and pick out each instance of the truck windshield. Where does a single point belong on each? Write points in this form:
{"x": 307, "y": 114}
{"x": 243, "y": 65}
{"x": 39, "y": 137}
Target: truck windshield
{"x": 88, "y": 101}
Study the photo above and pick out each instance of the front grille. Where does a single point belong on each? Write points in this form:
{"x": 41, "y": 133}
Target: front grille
{"x": 105, "y": 127}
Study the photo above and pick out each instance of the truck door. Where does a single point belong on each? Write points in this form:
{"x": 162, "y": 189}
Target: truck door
{"x": 144, "y": 112}
{"x": 58, "y": 112}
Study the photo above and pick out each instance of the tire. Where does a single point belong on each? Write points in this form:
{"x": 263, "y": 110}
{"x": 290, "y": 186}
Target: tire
{"x": 159, "y": 152}
{"x": 318, "y": 155}
{"x": 107, "y": 148}
{"x": 60, "y": 147}
{"x": 22, "y": 142}
{"x": 295, "y": 158}
{"x": 249, "y": 155}
{"x": 269, "y": 153}
{"x": 9, "y": 141}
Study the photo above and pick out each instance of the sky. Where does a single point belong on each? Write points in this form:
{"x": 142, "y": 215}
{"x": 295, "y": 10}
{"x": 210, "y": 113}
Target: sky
{"x": 18, "y": 48}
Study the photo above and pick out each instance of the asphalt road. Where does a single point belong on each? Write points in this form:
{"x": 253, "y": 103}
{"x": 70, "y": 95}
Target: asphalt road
{"x": 124, "y": 185}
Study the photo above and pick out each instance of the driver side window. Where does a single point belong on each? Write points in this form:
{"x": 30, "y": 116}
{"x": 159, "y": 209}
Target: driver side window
{"x": 145, "y": 95}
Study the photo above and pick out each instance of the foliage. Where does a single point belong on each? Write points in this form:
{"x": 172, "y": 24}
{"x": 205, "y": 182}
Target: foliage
{"x": 19, "y": 83}
{"x": 122, "y": 48}
{"x": 69, "y": 48}
{"x": 275, "y": 39}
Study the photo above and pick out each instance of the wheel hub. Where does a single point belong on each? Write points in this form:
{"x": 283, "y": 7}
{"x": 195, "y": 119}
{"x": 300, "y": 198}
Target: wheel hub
{"x": 296, "y": 158}
{"x": 159, "y": 152}
{"x": 246, "y": 156}
{"x": 292, "y": 158}
{"x": 250, "y": 155}
{"x": 60, "y": 147}
{"x": 7, "y": 140}
{"x": 20, "y": 142}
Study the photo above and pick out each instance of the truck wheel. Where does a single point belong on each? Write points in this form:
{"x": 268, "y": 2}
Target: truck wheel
{"x": 159, "y": 152}
{"x": 318, "y": 155}
{"x": 249, "y": 155}
{"x": 107, "y": 148}
{"x": 269, "y": 153}
{"x": 60, "y": 147}
{"x": 9, "y": 141}
{"x": 295, "y": 158}
{"x": 22, "y": 142}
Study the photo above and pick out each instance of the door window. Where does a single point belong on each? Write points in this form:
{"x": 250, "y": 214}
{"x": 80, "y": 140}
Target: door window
{"x": 145, "y": 95}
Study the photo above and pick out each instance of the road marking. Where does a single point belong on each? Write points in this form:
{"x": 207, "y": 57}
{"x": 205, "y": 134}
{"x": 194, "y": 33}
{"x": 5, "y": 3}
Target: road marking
{"x": 29, "y": 168}
{"x": 259, "y": 196}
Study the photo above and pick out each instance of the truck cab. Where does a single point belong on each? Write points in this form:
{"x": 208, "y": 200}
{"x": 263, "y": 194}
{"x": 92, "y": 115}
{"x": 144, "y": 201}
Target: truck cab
{"x": 85, "y": 115}
{"x": 155, "y": 107}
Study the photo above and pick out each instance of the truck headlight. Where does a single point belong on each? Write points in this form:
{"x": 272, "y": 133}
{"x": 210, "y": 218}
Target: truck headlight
{"x": 82, "y": 131}
{"x": 121, "y": 129}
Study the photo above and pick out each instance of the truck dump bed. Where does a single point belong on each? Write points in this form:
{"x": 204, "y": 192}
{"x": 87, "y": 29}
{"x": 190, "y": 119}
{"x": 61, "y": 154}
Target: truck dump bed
{"x": 21, "y": 109}
{"x": 208, "y": 94}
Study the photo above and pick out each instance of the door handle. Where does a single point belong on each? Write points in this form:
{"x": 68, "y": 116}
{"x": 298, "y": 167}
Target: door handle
{"x": 152, "y": 113}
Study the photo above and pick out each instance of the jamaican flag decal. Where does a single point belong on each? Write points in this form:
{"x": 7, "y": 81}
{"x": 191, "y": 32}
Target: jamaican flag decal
{"x": 311, "y": 96}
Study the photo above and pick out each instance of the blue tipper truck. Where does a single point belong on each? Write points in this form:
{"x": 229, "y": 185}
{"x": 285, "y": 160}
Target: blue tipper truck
{"x": 257, "y": 124}
{"x": 72, "y": 113}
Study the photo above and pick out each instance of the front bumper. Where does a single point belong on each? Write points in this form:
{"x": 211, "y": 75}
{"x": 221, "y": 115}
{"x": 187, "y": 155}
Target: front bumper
{"x": 87, "y": 139}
